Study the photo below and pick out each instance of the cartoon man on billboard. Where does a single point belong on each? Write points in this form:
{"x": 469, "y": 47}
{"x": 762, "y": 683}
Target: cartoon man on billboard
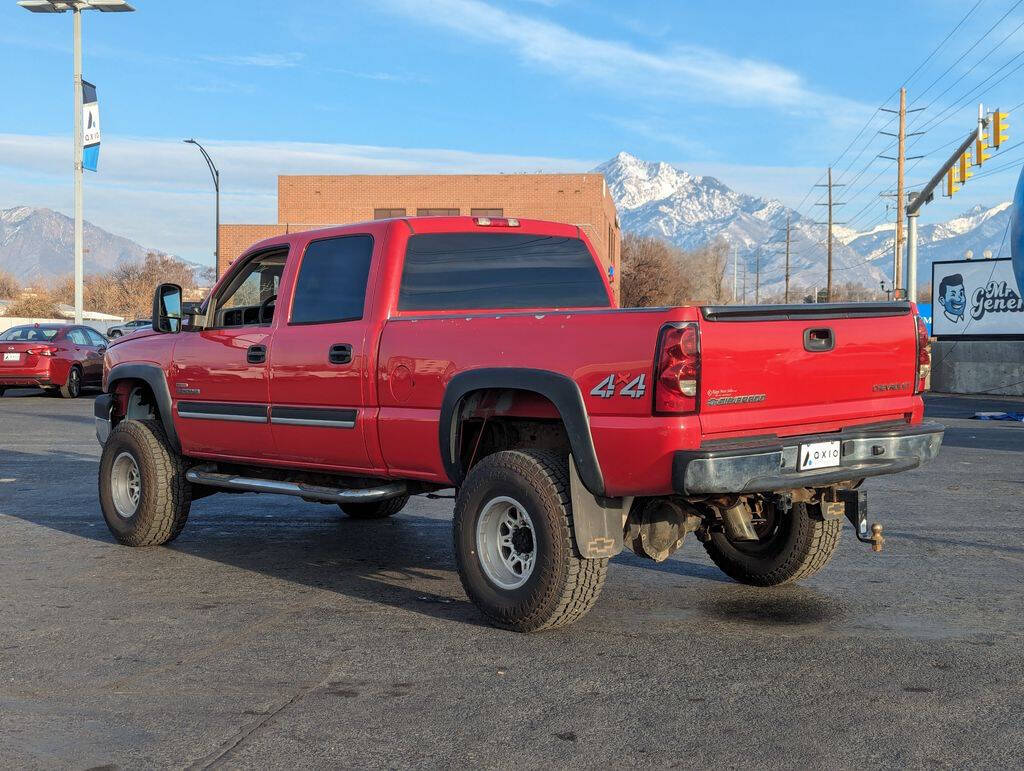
{"x": 953, "y": 297}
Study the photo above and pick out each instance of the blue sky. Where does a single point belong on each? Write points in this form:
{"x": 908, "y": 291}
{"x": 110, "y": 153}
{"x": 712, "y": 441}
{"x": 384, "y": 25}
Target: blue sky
{"x": 762, "y": 95}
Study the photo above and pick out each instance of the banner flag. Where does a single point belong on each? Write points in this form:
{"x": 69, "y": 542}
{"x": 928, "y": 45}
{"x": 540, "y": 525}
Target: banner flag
{"x": 90, "y": 127}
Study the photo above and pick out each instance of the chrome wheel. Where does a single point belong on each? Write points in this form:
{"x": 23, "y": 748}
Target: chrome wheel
{"x": 125, "y": 485}
{"x": 506, "y": 543}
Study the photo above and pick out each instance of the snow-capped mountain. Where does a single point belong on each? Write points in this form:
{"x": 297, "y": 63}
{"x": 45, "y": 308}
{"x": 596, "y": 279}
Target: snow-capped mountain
{"x": 978, "y": 230}
{"x": 688, "y": 210}
{"x": 37, "y": 244}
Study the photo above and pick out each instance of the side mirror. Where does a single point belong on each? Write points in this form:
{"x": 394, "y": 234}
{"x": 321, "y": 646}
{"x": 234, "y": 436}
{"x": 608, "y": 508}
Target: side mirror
{"x": 167, "y": 308}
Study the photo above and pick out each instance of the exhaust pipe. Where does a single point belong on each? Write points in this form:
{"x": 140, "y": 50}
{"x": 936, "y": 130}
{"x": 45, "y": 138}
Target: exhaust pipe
{"x": 738, "y": 524}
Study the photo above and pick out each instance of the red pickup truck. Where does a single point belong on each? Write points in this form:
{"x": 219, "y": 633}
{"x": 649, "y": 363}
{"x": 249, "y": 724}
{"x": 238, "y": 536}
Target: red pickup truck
{"x": 363, "y": 364}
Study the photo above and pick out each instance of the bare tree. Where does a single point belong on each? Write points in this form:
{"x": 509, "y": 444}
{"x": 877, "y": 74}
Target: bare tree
{"x": 9, "y": 286}
{"x": 38, "y": 305}
{"x": 128, "y": 289}
{"x": 651, "y": 272}
{"x": 655, "y": 273}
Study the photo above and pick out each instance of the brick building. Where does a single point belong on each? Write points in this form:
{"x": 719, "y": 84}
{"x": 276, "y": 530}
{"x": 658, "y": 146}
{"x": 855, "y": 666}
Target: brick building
{"x": 305, "y": 202}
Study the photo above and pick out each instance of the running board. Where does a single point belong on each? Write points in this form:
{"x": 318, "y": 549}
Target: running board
{"x": 201, "y": 476}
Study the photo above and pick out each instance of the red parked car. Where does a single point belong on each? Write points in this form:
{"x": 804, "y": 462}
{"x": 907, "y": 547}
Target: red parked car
{"x": 363, "y": 364}
{"x": 54, "y": 357}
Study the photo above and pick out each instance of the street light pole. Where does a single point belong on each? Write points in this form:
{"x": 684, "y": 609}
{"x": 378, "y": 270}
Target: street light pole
{"x": 216, "y": 189}
{"x": 76, "y": 7}
{"x": 79, "y": 262}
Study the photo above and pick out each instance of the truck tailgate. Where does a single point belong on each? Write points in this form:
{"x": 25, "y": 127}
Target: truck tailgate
{"x": 787, "y": 370}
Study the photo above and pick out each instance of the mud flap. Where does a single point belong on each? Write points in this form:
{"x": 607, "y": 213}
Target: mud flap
{"x": 597, "y": 522}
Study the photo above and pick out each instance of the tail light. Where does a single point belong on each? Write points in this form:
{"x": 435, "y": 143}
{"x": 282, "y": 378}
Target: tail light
{"x": 924, "y": 356}
{"x": 44, "y": 350}
{"x": 677, "y": 373}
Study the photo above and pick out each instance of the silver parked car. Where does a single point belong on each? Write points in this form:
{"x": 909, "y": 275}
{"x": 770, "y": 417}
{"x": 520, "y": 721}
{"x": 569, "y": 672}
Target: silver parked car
{"x": 127, "y": 328}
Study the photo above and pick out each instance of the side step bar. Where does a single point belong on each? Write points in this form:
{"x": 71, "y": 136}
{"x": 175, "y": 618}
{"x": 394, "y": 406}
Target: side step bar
{"x": 201, "y": 476}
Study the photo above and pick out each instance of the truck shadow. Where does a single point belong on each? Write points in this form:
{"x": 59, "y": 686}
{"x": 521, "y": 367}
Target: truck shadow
{"x": 405, "y": 561}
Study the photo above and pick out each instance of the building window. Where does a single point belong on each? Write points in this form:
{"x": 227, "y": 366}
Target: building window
{"x": 611, "y": 246}
{"x": 437, "y": 212}
{"x": 383, "y": 214}
{"x": 487, "y": 212}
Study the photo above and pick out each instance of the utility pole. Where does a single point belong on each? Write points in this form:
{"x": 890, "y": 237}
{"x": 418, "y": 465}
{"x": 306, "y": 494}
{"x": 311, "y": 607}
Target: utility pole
{"x": 744, "y": 282}
{"x": 787, "y": 258}
{"x": 897, "y": 267}
{"x": 757, "y": 277}
{"x": 831, "y": 203}
{"x": 735, "y": 275}
{"x": 901, "y": 163}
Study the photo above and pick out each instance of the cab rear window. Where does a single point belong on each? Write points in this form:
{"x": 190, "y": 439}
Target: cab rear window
{"x": 468, "y": 271}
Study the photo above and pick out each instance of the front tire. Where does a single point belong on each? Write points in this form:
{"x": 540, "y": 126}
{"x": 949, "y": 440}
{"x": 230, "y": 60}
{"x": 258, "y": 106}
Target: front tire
{"x": 73, "y": 387}
{"x": 375, "y": 510}
{"x": 796, "y": 545}
{"x": 514, "y": 543}
{"x": 143, "y": 492}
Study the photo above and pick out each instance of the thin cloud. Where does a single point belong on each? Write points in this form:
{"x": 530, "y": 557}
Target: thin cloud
{"x": 158, "y": 191}
{"x": 257, "y": 60}
{"x": 681, "y": 71}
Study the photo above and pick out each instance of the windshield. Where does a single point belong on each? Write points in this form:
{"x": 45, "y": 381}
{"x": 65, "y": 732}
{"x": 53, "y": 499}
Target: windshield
{"x": 29, "y": 334}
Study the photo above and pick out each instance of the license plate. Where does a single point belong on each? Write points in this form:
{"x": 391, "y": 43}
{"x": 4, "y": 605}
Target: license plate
{"x": 12, "y": 357}
{"x": 819, "y": 455}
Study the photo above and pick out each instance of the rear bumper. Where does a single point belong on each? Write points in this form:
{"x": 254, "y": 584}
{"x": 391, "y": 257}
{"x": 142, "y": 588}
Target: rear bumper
{"x": 26, "y": 381}
{"x": 771, "y": 464}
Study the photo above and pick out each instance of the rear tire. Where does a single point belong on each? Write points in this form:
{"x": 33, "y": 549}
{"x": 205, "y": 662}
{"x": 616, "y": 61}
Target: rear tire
{"x": 799, "y": 546}
{"x": 73, "y": 387}
{"x": 143, "y": 492}
{"x": 375, "y": 510}
{"x": 514, "y": 543}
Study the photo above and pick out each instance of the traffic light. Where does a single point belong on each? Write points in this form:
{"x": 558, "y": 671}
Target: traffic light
{"x": 963, "y": 168}
{"x": 951, "y": 186}
{"x": 1000, "y": 128}
{"x": 980, "y": 156}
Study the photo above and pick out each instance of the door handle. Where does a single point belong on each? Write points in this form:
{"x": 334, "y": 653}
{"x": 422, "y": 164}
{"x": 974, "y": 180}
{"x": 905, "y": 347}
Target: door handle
{"x": 256, "y": 354}
{"x": 340, "y": 353}
{"x": 819, "y": 339}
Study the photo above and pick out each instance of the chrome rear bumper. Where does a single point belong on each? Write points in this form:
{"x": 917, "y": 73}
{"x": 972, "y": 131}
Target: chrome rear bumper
{"x": 766, "y": 464}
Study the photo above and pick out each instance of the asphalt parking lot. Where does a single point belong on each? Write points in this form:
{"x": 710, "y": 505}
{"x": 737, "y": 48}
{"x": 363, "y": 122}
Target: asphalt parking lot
{"x": 278, "y": 633}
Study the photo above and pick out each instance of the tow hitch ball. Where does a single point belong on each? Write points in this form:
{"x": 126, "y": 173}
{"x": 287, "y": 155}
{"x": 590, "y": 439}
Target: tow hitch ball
{"x": 854, "y": 504}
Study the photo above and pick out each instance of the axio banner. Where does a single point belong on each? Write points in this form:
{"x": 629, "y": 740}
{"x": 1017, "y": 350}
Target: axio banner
{"x": 90, "y": 127}
{"x": 1017, "y": 234}
{"x": 976, "y": 298}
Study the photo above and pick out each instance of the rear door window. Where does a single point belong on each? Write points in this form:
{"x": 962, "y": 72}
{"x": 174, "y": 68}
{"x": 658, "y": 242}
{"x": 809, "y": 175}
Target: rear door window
{"x": 331, "y": 285}
{"x": 77, "y": 336}
{"x": 461, "y": 271}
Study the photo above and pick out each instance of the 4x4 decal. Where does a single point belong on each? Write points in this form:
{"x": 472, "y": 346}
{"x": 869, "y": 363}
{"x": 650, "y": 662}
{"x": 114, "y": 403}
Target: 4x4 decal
{"x": 634, "y": 389}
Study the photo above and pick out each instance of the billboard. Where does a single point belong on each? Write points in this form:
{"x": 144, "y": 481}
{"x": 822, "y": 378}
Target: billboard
{"x": 976, "y": 298}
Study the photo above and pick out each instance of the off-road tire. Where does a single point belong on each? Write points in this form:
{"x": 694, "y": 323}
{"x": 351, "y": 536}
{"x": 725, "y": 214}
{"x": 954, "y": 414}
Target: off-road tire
{"x": 72, "y": 388}
{"x": 375, "y": 510}
{"x": 802, "y": 545}
{"x": 165, "y": 495}
{"x": 563, "y": 586}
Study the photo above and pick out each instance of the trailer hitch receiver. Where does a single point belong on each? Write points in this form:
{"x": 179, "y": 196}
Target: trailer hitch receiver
{"x": 855, "y": 506}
